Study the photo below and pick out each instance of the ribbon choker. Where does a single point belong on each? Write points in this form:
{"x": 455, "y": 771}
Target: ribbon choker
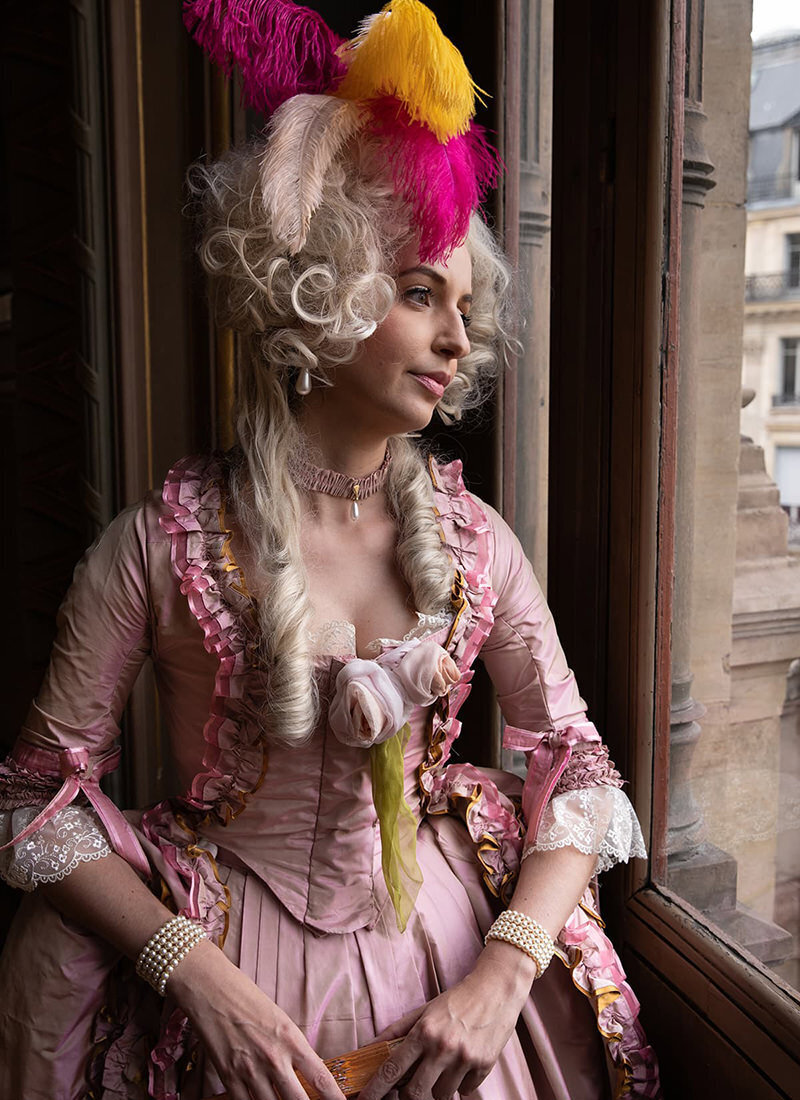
{"x": 355, "y": 489}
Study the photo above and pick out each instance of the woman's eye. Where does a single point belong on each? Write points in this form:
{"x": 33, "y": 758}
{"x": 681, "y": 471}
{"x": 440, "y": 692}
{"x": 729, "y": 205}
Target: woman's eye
{"x": 419, "y": 294}
{"x": 465, "y": 317}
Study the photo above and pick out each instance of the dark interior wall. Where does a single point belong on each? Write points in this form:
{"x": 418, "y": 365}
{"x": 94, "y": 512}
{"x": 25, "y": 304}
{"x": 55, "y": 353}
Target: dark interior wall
{"x": 175, "y": 135}
{"x": 46, "y": 521}
{"x": 46, "y": 517}
{"x": 584, "y": 137}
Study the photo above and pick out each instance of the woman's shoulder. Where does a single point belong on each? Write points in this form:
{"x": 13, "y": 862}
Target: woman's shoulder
{"x": 450, "y": 488}
{"x": 468, "y": 519}
{"x": 191, "y": 498}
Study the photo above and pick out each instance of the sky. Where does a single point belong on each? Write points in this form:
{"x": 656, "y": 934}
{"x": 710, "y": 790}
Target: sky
{"x": 770, "y": 16}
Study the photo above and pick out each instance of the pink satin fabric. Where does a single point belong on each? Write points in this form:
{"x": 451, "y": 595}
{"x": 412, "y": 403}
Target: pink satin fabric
{"x": 308, "y": 914}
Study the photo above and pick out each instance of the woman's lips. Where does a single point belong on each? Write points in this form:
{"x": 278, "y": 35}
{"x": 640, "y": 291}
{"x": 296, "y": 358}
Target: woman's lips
{"x": 430, "y": 384}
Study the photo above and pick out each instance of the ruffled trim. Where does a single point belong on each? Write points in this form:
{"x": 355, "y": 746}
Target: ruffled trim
{"x": 235, "y": 760}
{"x": 589, "y": 766}
{"x": 491, "y": 818}
{"x": 467, "y": 534}
{"x": 22, "y": 787}
{"x": 597, "y": 821}
{"x": 72, "y": 836}
{"x": 597, "y": 972}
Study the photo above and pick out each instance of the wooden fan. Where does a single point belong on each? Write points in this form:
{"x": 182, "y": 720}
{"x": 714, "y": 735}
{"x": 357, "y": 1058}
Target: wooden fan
{"x": 350, "y": 1071}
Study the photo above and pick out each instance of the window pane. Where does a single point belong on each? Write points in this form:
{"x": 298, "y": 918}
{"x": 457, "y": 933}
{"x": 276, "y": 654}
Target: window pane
{"x": 734, "y": 825}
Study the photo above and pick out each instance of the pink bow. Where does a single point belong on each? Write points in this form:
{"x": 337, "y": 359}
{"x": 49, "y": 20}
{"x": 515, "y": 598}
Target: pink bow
{"x": 81, "y": 772}
{"x": 549, "y": 752}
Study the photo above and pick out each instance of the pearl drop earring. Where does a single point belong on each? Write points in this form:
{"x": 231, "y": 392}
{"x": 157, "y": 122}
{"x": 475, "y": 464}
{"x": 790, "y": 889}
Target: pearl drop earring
{"x": 303, "y": 383}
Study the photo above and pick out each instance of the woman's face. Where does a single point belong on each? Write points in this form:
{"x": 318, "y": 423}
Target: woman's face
{"x": 405, "y": 366}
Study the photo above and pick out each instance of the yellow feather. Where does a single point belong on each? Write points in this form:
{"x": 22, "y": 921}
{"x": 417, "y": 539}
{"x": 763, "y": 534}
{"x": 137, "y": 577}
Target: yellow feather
{"x": 402, "y": 51}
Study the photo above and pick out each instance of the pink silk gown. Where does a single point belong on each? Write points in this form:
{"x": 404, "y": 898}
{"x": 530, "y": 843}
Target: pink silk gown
{"x": 277, "y": 850}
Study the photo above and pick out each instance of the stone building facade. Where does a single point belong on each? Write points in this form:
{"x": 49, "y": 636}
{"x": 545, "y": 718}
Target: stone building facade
{"x": 771, "y": 353}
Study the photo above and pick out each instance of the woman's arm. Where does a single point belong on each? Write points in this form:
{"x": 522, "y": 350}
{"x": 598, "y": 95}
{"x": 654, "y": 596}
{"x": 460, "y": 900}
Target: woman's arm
{"x": 254, "y": 1046}
{"x": 456, "y": 1039}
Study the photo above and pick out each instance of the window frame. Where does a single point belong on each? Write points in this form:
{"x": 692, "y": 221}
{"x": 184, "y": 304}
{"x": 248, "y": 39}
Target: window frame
{"x": 790, "y": 344}
{"x": 713, "y": 1012}
{"x": 747, "y": 1006}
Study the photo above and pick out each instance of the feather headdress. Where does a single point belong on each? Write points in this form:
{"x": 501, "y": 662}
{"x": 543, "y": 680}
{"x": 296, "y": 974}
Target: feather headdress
{"x": 399, "y": 82}
{"x": 441, "y": 182}
{"x": 402, "y": 52}
{"x": 280, "y": 48}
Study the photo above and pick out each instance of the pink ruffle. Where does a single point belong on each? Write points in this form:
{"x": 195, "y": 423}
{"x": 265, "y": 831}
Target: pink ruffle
{"x": 22, "y": 787}
{"x": 235, "y": 756}
{"x": 598, "y": 973}
{"x": 589, "y": 766}
{"x": 235, "y": 759}
{"x": 467, "y": 535}
{"x": 491, "y": 818}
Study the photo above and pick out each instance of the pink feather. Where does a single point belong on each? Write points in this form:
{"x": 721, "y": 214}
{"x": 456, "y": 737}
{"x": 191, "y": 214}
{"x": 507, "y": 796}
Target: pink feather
{"x": 281, "y": 48}
{"x": 442, "y": 183}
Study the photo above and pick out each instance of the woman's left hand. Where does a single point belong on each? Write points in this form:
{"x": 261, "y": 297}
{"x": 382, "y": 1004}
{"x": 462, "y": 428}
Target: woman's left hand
{"x": 454, "y": 1041}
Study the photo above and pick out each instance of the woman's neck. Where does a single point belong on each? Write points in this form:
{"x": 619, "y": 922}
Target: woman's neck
{"x": 344, "y": 448}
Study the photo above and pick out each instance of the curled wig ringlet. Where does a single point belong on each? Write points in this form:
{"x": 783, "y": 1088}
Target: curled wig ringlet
{"x": 314, "y": 307}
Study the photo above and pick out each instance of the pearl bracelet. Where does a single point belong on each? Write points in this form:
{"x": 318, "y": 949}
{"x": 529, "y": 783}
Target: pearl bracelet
{"x": 165, "y": 949}
{"x": 525, "y": 933}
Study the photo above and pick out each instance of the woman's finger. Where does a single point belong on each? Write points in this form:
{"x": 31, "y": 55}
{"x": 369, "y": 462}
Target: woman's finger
{"x": 319, "y": 1078}
{"x": 458, "y": 1079}
{"x": 393, "y": 1070}
{"x": 472, "y": 1081}
{"x": 400, "y": 1027}
{"x": 424, "y": 1079}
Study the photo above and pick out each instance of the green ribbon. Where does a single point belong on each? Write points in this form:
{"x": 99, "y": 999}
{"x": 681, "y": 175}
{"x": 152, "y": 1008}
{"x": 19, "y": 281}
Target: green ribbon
{"x": 397, "y": 823}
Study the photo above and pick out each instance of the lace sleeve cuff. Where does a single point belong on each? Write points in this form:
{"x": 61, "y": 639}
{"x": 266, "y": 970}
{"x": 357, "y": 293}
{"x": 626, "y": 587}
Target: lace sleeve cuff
{"x": 597, "y": 820}
{"x": 73, "y": 835}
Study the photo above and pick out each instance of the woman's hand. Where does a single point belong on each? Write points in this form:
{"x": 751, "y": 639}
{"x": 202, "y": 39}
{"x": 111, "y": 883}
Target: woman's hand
{"x": 456, "y": 1039}
{"x": 256, "y": 1049}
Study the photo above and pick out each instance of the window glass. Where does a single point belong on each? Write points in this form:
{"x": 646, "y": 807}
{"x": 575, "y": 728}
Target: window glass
{"x": 734, "y": 817}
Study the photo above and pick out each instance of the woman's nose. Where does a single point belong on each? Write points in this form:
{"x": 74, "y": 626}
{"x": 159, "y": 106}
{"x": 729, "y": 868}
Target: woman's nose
{"x": 452, "y": 342}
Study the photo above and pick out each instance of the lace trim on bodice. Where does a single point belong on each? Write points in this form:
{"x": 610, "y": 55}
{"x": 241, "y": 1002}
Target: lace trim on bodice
{"x": 337, "y": 638}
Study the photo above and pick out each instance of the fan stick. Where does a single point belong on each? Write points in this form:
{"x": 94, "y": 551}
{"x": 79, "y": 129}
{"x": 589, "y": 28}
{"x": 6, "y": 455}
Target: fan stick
{"x": 351, "y": 1071}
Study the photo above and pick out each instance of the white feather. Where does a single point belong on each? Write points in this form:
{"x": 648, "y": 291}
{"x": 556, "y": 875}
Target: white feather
{"x": 306, "y": 133}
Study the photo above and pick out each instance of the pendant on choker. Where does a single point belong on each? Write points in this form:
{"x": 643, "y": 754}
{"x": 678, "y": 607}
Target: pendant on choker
{"x": 354, "y": 489}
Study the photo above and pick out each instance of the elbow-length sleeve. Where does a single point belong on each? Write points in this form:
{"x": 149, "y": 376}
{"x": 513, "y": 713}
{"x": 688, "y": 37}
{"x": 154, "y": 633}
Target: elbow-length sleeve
{"x": 53, "y": 814}
{"x": 573, "y": 792}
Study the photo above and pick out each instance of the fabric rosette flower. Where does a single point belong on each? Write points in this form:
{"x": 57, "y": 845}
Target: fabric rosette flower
{"x": 368, "y": 706}
{"x": 373, "y": 699}
{"x": 425, "y": 671}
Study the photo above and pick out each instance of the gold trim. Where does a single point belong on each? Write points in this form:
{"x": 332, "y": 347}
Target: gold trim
{"x": 233, "y": 564}
{"x": 601, "y": 999}
{"x": 196, "y": 851}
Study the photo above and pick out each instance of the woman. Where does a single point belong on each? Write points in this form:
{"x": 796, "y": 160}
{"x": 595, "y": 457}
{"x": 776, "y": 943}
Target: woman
{"x": 313, "y": 603}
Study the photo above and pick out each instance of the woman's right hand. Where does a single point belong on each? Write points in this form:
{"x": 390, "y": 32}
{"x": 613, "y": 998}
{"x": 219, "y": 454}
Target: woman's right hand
{"x": 256, "y": 1049}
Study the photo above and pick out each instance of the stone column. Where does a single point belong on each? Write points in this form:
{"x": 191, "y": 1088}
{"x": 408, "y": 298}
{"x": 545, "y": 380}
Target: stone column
{"x": 686, "y": 832}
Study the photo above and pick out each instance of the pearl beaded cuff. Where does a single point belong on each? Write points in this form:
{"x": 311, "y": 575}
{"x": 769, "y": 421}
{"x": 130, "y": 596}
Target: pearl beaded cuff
{"x": 165, "y": 949}
{"x": 525, "y": 933}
